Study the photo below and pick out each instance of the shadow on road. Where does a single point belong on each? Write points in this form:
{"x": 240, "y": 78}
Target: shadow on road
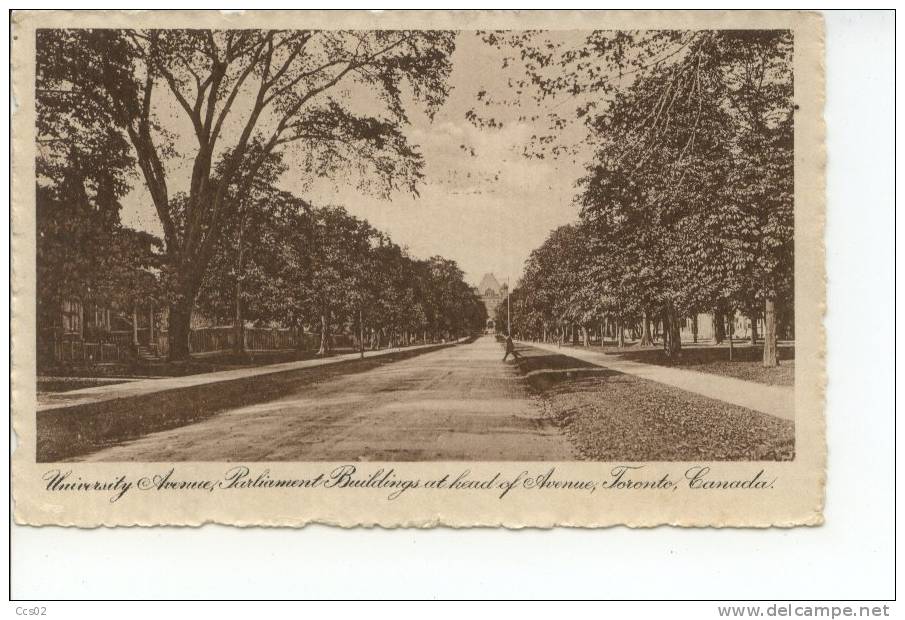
{"x": 612, "y": 416}
{"x": 74, "y": 431}
{"x": 544, "y": 370}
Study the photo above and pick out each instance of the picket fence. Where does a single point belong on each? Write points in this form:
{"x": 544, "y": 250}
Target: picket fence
{"x": 117, "y": 346}
{"x": 257, "y": 339}
{"x": 91, "y": 352}
{"x": 212, "y": 339}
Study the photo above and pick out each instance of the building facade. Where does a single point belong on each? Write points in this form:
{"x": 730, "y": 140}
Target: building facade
{"x": 491, "y": 293}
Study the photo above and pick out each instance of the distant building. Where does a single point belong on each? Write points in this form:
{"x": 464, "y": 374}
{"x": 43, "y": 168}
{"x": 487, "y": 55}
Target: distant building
{"x": 491, "y": 293}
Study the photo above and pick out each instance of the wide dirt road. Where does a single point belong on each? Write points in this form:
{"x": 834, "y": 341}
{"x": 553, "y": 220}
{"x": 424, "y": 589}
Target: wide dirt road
{"x": 458, "y": 403}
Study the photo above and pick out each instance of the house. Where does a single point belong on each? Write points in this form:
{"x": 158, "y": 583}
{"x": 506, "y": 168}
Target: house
{"x": 702, "y": 328}
{"x": 84, "y": 331}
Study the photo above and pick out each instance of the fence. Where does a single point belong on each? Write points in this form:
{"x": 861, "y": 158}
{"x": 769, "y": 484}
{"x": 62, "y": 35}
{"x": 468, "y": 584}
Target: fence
{"x": 117, "y": 346}
{"x": 91, "y": 352}
{"x": 123, "y": 337}
{"x": 218, "y": 339}
{"x": 275, "y": 339}
{"x": 211, "y": 339}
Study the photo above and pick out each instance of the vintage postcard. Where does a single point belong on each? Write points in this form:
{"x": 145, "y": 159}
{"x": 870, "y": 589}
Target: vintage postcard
{"x": 415, "y": 269}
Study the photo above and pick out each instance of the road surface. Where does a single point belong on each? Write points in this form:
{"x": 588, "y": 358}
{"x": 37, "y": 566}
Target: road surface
{"x": 458, "y": 403}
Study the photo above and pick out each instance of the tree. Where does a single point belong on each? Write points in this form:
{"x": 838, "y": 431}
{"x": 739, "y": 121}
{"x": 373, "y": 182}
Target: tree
{"x": 236, "y": 89}
{"x": 84, "y": 253}
{"x": 231, "y": 288}
{"x": 553, "y": 275}
{"x": 690, "y": 188}
{"x": 324, "y": 269}
{"x": 455, "y": 305}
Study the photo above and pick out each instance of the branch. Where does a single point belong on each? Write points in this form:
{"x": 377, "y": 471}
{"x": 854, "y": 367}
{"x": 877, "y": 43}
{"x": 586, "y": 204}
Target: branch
{"x": 193, "y": 114}
{"x": 227, "y": 105}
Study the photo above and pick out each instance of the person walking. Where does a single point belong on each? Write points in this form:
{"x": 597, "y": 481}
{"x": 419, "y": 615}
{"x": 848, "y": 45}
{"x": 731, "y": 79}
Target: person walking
{"x": 510, "y": 348}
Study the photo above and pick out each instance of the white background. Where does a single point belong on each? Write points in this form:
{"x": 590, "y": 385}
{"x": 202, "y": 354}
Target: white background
{"x": 850, "y": 557}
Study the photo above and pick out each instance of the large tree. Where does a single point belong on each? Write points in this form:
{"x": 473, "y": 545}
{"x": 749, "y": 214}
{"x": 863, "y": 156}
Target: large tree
{"x": 233, "y": 286}
{"x": 210, "y": 96}
{"x": 698, "y": 125}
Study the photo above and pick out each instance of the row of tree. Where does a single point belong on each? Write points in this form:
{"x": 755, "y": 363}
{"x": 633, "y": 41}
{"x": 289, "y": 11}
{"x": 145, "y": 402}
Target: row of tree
{"x": 322, "y": 270}
{"x": 111, "y": 101}
{"x": 687, "y": 205}
{"x": 223, "y": 104}
{"x": 280, "y": 261}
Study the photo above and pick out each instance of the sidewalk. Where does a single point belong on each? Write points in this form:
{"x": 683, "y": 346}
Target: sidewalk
{"x": 775, "y": 400}
{"x": 142, "y": 387}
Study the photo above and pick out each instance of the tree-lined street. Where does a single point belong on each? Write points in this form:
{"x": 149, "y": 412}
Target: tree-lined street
{"x": 686, "y": 206}
{"x": 462, "y": 403}
{"x": 262, "y": 162}
{"x": 459, "y": 403}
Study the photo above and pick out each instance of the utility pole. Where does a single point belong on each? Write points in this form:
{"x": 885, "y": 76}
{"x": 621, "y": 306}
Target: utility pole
{"x": 508, "y": 311}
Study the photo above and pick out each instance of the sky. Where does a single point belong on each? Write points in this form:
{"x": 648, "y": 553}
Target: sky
{"x": 482, "y": 203}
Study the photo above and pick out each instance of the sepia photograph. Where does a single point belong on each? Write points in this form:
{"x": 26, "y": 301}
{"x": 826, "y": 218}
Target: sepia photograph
{"x": 414, "y": 245}
{"x": 420, "y": 267}
{"x": 452, "y": 304}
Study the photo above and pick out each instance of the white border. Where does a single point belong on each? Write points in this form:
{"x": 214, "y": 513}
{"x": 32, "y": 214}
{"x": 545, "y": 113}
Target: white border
{"x": 851, "y": 556}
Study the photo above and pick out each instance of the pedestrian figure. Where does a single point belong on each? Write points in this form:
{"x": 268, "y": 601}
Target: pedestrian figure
{"x": 510, "y": 348}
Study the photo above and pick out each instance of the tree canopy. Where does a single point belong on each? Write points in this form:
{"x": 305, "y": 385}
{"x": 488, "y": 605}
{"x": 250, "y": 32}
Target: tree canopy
{"x": 227, "y": 100}
{"x": 687, "y": 202}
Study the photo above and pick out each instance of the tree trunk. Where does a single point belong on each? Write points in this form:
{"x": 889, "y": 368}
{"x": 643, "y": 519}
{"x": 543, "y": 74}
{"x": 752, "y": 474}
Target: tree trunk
{"x": 239, "y": 324}
{"x": 719, "y": 331}
{"x": 694, "y": 329}
{"x": 730, "y": 332}
{"x": 361, "y": 335}
{"x": 325, "y": 346}
{"x": 134, "y": 327}
{"x": 672, "y": 338}
{"x": 646, "y": 340}
{"x": 620, "y": 334}
{"x": 664, "y": 321}
{"x": 299, "y": 337}
{"x": 753, "y": 329}
{"x": 179, "y": 327}
{"x": 676, "y": 337}
{"x": 771, "y": 357}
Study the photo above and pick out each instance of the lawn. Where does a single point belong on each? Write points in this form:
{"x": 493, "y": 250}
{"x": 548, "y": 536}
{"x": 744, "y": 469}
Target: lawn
{"x": 609, "y": 416}
{"x": 196, "y": 365}
{"x": 66, "y": 384}
{"x": 746, "y": 360}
